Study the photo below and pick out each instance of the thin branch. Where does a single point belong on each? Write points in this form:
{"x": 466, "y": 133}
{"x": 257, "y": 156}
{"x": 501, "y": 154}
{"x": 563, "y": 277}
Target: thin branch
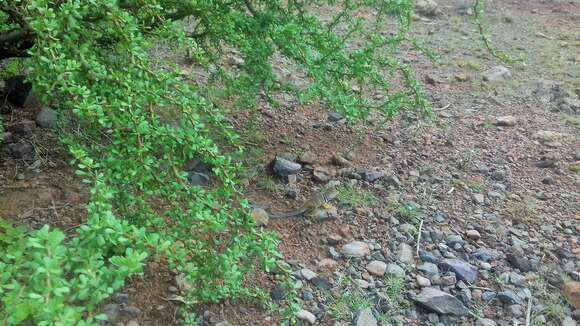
{"x": 529, "y": 311}
{"x": 419, "y": 237}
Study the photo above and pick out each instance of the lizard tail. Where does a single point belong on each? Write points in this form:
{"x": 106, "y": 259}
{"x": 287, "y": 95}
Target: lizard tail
{"x": 295, "y": 213}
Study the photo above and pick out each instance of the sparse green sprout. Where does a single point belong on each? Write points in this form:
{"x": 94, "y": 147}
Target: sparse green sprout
{"x": 408, "y": 212}
{"x": 350, "y": 301}
{"x": 476, "y": 186}
{"x": 522, "y": 211}
{"x": 555, "y": 307}
{"x": 356, "y": 196}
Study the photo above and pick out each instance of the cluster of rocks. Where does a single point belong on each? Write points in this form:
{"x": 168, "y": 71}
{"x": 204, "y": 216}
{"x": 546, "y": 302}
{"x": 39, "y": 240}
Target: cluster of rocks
{"x": 557, "y": 95}
{"x": 450, "y": 276}
{"x": 453, "y": 273}
{"x": 288, "y": 166}
{"x": 120, "y": 313}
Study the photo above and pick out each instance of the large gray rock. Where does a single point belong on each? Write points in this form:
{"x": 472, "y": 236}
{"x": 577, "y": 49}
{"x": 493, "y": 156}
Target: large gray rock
{"x": 355, "y": 249}
{"x": 365, "y": 317}
{"x": 428, "y": 269}
{"x": 307, "y": 274}
{"x": 46, "y": 118}
{"x": 506, "y": 121}
{"x": 395, "y": 271}
{"x": 427, "y": 7}
{"x": 463, "y": 270}
{"x": 497, "y": 73}
{"x": 441, "y": 302}
{"x": 405, "y": 254}
{"x": 307, "y": 316}
{"x": 284, "y": 167}
{"x": 377, "y": 268}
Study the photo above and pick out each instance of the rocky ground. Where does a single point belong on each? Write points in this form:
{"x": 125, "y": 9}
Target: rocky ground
{"x": 473, "y": 220}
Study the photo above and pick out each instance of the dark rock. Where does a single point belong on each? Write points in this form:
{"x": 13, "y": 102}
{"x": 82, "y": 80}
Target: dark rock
{"x": 428, "y": 257}
{"x": 46, "y": 118}
{"x": 284, "y": 167}
{"x": 426, "y": 237}
{"x": 454, "y": 239}
{"x": 321, "y": 283}
{"x": 292, "y": 193}
{"x": 429, "y": 269}
{"x": 113, "y": 312}
{"x": 438, "y": 235}
{"x": 520, "y": 262}
{"x": 509, "y": 298}
{"x": 307, "y": 296}
{"x": 198, "y": 179}
{"x": 463, "y": 270}
{"x": 548, "y": 180}
{"x": 120, "y": 298}
{"x": 18, "y": 91}
{"x": 22, "y": 150}
{"x": 372, "y": 176}
{"x": 279, "y": 292}
{"x": 482, "y": 254}
{"x": 7, "y": 138}
{"x": 196, "y": 165}
{"x": 335, "y": 117}
{"x": 488, "y": 296}
{"x": 547, "y": 163}
{"x": 441, "y": 302}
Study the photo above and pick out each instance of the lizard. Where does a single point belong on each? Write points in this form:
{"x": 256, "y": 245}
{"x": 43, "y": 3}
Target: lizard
{"x": 318, "y": 207}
